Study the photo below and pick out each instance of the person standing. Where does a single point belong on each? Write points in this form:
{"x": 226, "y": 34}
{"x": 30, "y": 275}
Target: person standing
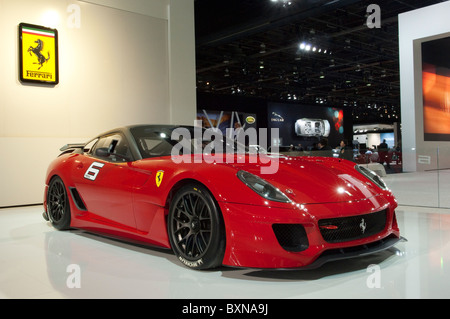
{"x": 345, "y": 151}
{"x": 324, "y": 148}
{"x": 383, "y": 153}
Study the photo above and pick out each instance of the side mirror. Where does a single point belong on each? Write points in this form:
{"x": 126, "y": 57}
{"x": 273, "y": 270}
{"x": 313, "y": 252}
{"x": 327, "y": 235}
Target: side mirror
{"x": 102, "y": 152}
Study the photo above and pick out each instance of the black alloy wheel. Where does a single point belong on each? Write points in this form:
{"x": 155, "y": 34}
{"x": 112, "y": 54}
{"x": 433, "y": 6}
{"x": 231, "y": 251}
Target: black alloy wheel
{"x": 58, "y": 207}
{"x": 196, "y": 228}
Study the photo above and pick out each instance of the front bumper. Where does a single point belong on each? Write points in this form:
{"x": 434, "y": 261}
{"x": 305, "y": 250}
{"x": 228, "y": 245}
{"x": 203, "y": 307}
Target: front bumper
{"x": 253, "y": 243}
{"x": 356, "y": 251}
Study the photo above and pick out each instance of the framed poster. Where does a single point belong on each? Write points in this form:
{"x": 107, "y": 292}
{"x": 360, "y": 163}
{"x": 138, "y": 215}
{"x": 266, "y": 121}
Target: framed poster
{"x": 38, "y": 54}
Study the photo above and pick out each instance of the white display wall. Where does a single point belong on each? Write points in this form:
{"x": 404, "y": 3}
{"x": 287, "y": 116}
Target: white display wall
{"x": 118, "y": 65}
{"x": 415, "y": 27}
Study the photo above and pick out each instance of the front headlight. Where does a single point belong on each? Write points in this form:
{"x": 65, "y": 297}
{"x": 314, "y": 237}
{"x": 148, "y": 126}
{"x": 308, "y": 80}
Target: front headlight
{"x": 372, "y": 176}
{"x": 262, "y": 187}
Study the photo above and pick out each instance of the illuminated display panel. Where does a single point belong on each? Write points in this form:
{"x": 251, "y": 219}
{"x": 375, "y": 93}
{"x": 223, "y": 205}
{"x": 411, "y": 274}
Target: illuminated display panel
{"x": 436, "y": 89}
{"x": 307, "y": 124}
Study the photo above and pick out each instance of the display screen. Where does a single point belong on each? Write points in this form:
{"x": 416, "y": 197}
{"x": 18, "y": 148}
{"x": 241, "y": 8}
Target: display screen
{"x": 436, "y": 89}
{"x": 306, "y": 125}
{"x": 223, "y": 120}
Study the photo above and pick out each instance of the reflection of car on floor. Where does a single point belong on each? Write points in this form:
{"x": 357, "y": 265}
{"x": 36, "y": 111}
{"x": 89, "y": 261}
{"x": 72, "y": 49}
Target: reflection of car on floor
{"x": 312, "y": 127}
{"x": 125, "y": 184}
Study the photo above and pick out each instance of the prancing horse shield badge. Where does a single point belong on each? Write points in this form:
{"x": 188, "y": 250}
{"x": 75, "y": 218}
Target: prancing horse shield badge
{"x": 159, "y": 177}
{"x": 363, "y": 225}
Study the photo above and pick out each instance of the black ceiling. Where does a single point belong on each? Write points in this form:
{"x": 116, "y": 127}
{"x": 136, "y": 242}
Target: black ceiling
{"x": 251, "y": 48}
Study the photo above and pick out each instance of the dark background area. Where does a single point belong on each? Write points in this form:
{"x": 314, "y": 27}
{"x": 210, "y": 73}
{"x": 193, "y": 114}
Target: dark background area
{"x": 248, "y": 54}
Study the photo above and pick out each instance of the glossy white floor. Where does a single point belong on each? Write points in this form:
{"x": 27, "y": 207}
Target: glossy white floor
{"x": 37, "y": 261}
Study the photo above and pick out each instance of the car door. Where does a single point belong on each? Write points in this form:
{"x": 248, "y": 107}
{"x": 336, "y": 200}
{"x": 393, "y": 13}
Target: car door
{"x": 105, "y": 183}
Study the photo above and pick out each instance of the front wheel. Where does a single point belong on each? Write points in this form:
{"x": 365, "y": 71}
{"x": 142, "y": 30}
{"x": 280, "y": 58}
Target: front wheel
{"x": 196, "y": 228}
{"x": 58, "y": 206}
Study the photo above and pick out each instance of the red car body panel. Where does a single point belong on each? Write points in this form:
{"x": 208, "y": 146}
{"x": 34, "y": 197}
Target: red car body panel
{"x": 125, "y": 201}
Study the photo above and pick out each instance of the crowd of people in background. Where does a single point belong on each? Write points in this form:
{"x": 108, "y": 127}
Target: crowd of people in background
{"x": 379, "y": 154}
{"x": 322, "y": 148}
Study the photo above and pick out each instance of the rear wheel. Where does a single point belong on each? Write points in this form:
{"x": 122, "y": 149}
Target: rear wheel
{"x": 196, "y": 228}
{"x": 58, "y": 207}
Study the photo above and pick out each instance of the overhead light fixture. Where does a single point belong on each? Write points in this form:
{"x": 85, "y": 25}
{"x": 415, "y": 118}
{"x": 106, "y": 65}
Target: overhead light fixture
{"x": 51, "y": 19}
{"x": 306, "y": 46}
{"x": 284, "y": 3}
{"x": 263, "y": 48}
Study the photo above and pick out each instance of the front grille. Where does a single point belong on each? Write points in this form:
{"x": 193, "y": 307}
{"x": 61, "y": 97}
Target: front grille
{"x": 336, "y": 230}
{"x": 292, "y": 237}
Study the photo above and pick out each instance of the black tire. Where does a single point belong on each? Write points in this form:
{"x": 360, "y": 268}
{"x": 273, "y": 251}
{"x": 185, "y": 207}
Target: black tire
{"x": 196, "y": 228}
{"x": 58, "y": 206}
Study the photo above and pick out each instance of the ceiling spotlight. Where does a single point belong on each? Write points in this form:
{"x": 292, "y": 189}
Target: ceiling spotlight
{"x": 263, "y": 48}
{"x": 305, "y": 46}
{"x": 285, "y": 3}
{"x": 51, "y": 19}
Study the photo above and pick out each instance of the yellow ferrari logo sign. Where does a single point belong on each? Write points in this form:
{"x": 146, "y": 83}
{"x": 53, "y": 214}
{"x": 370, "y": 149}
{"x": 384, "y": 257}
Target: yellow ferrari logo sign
{"x": 38, "y": 54}
{"x": 159, "y": 178}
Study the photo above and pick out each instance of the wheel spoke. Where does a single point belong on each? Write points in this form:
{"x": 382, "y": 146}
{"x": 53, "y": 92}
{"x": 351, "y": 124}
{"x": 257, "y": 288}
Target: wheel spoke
{"x": 189, "y": 246}
{"x": 187, "y": 203}
{"x": 183, "y": 236}
{"x": 181, "y": 217}
{"x": 202, "y": 242}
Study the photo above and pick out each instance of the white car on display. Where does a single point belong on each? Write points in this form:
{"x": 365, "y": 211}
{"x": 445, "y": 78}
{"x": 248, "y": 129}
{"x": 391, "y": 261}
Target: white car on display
{"x": 312, "y": 127}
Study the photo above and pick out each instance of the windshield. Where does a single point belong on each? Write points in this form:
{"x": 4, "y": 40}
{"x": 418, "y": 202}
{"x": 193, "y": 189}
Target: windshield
{"x": 157, "y": 141}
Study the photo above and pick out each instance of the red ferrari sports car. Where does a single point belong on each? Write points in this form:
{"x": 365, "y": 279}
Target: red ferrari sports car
{"x": 126, "y": 183}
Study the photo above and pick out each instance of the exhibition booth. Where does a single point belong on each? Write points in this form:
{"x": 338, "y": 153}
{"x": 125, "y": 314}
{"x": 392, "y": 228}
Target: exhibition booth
{"x": 113, "y": 85}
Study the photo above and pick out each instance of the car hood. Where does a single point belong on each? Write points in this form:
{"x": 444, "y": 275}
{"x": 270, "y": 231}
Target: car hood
{"x": 317, "y": 180}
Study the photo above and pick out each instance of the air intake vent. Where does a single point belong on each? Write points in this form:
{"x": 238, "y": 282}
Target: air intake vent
{"x": 77, "y": 198}
{"x": 292, "y": 237}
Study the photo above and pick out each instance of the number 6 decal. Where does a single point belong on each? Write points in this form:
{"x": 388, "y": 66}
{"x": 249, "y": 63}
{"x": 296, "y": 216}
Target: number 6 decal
{"x": 93, "y": 171}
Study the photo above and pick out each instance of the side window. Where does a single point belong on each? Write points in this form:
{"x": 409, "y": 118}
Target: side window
{"x": 154, "y": 147}
{"x": 89, "y": 146}
{"x": 121, "y": 148}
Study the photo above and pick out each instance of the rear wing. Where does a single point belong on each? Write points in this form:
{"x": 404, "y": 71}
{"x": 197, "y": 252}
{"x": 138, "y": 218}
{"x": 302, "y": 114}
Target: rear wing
{"x": 69, "y": 148}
